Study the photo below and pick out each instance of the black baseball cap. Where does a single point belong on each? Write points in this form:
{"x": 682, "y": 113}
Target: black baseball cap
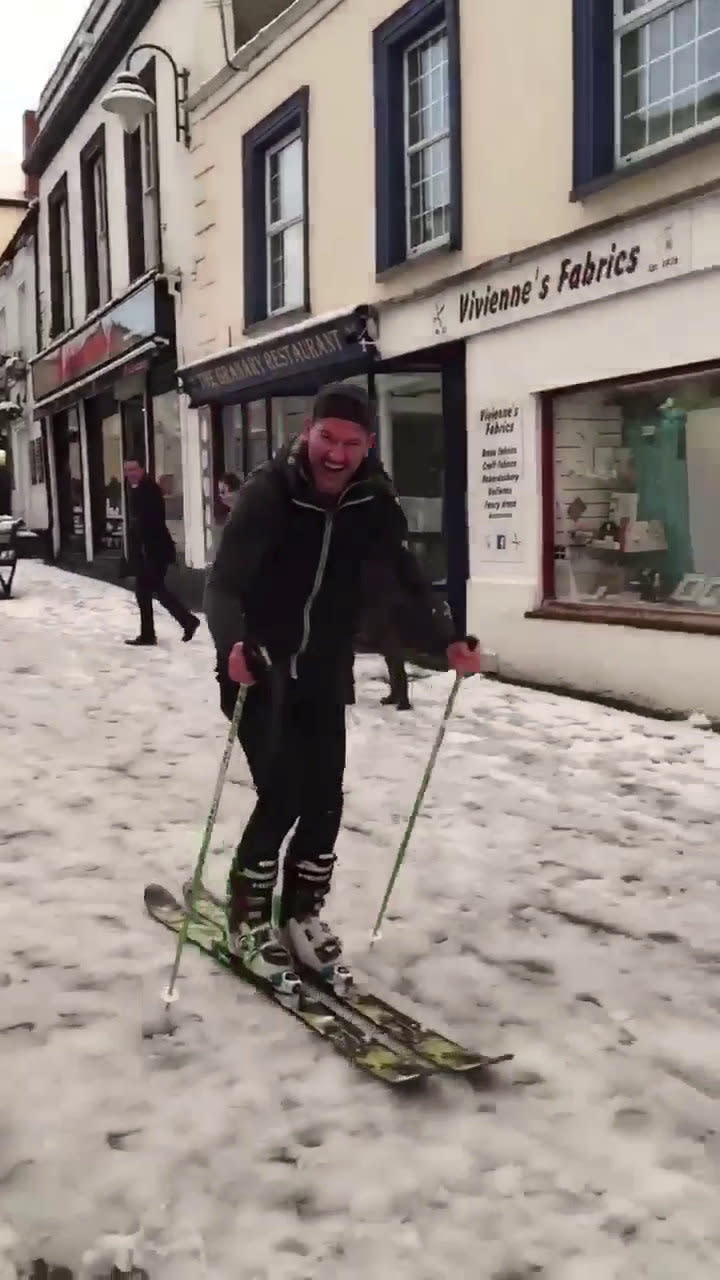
{"x": 343, "y": 400}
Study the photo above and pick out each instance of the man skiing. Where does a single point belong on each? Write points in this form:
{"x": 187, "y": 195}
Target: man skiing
{"x": 286, "y": 584}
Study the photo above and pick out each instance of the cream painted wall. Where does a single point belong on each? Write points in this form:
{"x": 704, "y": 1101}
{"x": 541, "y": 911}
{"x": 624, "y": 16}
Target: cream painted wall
{"x": 517, "y": 153}
{"x": 10, "y": 219}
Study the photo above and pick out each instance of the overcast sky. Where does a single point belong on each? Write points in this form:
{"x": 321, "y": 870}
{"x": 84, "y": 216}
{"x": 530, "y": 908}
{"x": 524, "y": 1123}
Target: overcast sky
{"x": 32, "y": 44}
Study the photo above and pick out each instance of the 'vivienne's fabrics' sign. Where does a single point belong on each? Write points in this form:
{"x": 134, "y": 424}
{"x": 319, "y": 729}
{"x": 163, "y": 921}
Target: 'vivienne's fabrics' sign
{"x": 629, "y": 258}
{"x": 324, "y": 347}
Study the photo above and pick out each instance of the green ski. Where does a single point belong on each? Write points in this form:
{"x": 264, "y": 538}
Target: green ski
{"x": 436, "y": 1050}
{"x": 371, "y": 1055}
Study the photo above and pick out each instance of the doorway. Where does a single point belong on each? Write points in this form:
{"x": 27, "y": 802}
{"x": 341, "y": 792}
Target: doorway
{"x": 69, "y": 472}
{"x": 104, "y": 454}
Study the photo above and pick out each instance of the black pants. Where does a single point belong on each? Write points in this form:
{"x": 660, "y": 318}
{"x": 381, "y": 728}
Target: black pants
{"x": 149, "y": 582}
{"x": 296, "y": 754}
{"x": 397, "y": 677}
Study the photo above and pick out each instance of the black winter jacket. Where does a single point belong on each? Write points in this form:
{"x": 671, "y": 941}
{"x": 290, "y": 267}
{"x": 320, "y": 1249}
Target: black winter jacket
{"x": 149, "y": 542}
{"x": 289, "y": 571}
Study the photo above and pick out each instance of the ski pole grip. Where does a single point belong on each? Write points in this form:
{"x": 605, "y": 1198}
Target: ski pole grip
{"x": 257, "y": 659}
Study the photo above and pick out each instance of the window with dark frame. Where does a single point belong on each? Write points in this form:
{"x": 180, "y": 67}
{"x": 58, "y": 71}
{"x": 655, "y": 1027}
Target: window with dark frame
{"x": 61, "y": 309}
{"x": 418, "y": 161}
{"x": 93, "y": 182}
{"x": 142, "y": 188}
{"x": 275, "y": 212}
{"x": 646, "y": 78}
{"x": 631, "y": 496}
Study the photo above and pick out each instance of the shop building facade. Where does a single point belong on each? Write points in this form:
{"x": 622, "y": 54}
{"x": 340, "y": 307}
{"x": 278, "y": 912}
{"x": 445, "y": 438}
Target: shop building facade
{"x": 21, "y": 442}
{"x": 114, "y": 249}
{"x": 591, "y": 369}
{"x": 291, "y": 267}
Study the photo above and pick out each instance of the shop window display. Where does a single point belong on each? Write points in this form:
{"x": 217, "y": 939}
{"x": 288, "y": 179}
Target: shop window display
{"x": 637, "y": 489}
{"x": 168, "y": 463}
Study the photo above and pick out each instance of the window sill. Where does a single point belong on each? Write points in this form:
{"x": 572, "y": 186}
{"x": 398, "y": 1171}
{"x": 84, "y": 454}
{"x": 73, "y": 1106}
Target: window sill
{"x": 275, "y": 324}
{"x": 665, "y": 618}
{"x": 398, "y": 268}
{"x": 579, "y": 194}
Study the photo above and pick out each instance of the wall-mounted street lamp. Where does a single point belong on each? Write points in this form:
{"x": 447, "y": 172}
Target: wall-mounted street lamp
{"x": 131, "y": 102}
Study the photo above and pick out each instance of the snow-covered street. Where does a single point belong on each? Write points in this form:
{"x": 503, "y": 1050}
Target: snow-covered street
{"x": 575, "y": 922}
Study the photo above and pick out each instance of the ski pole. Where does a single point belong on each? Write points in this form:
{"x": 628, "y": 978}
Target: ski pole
{"x": 170, "y": 994}
{"x": 472, "y": 644}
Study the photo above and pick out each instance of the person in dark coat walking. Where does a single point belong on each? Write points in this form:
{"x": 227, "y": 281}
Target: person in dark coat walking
{"x": 286, "y": 586}
{"x": 151, "y": 551}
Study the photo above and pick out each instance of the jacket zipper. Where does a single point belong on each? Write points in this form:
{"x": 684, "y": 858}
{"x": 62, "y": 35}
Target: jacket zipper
{"x": 317, "y": 583}
{"x": 320, "y": 571}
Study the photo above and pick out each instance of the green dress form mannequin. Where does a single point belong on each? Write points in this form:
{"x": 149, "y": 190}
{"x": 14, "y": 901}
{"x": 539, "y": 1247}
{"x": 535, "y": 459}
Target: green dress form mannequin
{"x": 660, "y": 458}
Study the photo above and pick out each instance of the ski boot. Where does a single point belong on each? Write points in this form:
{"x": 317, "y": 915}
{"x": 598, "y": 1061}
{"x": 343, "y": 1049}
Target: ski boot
{"x": 251, "y": 937}
{"x": 264, "y": 956}
{"x": 310, "y": 941}
{"x": 313, "y": 945}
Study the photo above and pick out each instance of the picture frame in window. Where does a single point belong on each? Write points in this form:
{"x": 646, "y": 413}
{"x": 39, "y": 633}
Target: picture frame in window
{"x": 710, "y": 598}
{"x": 690, "y": 589}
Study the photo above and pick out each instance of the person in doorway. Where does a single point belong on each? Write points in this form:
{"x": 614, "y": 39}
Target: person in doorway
{"x": 151, "y": 551}
{"x": 282, "y": 602}
{"x": 228, "y": 486}
{"x": 382, "y": 631}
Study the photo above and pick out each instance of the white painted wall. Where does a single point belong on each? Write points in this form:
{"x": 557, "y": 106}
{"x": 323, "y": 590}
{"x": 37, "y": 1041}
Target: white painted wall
{"x": 641, "y": 331}
{"x": 17, "y": 302}
{"x": 190, "y": 31}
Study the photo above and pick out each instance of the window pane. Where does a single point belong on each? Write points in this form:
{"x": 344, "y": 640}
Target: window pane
{"x": 659, "y": 121}
{"x": 634, "y": 90}
{"x": 273, "y": 164}
{"x": 634, "y": 133}
{"x": 294, "y": 275}
{"x": 291, "y": 181}
{"x": 631, "y": 51}
{"x": 427, "y": 89}
{"x": 709, "y": 56}
{"x": 429, "y": 194}
{"x": 709, "y": 16}
{"x": 637, "y": 473}
{"x": 709, "y": 100}
{"x": 684, "y": 111}
{"x": 659, "y": 36}
{"x": 289, "y": 415}
{"x": 286, "y": 268}
{"x": 675, "y": 89}
{"x": 660, "y": 80}
{"x": 276, "y": 271}
{"x": 684, "y": 69}
{"x": 684, "y": 23}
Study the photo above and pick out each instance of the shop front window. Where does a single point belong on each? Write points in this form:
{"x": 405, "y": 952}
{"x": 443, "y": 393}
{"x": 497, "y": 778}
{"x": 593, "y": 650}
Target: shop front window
{"x": 289, "y": 415}
{"x": 104, "y": 455}
{"x": 257, "y": 434}
{"x": 637, "y": 495}
{"x": 412, "y": 449}
{"x": 232, "y": 440}
{"x": 69, "y": 470}
{"x": 168, "y": 462}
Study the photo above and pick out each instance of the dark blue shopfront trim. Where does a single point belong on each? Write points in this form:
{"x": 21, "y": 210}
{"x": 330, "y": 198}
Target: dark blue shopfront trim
{"x": 390, "y": 40}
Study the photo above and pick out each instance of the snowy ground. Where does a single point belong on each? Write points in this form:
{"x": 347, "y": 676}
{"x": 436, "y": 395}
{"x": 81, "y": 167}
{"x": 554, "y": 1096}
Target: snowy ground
{"x": 560, "y": 901}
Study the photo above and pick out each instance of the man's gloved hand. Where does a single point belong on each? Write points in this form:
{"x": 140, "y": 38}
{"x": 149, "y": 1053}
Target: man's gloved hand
{"x": 465, "y": 657}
